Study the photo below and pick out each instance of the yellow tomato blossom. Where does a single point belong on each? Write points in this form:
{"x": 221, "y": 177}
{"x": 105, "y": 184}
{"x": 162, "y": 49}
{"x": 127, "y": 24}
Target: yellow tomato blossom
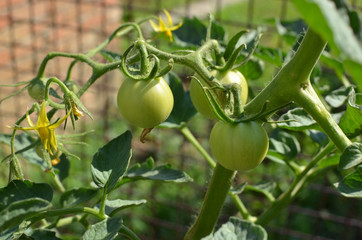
{"x": 44, "y": 129}
{"x": 163, "y": 27}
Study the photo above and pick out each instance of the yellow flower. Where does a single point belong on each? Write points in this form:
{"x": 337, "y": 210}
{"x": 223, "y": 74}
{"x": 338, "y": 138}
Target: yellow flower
{"x": 44, "y": 129}
{"x": 163, "y": 27}
{"x": 76, "y": 112}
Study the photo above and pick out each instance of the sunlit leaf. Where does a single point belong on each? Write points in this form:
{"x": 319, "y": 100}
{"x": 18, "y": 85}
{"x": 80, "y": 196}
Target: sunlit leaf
{"x": 238, "y": 229}
{"x": 297, "y": 119}
{"x": 285, "y": 145}
{"x": 106, "y": 229}
{"x": 147, "y": 171}
{"x": 338, "y": 97}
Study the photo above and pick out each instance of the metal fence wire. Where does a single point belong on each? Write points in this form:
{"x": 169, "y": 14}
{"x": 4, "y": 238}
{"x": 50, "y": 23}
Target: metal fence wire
{"x": 29, "y": 29}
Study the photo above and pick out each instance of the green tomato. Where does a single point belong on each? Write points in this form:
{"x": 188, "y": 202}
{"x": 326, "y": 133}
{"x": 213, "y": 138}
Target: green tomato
{"x": 241, "y": 146}
{"x": 199, "y": 99}
{"x": 145, "y": 104}
{"x": 36, "y": 90}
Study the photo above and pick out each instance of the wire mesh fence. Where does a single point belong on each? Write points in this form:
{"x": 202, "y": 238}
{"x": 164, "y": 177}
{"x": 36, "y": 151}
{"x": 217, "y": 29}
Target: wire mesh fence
{"x": 29, "y": 29}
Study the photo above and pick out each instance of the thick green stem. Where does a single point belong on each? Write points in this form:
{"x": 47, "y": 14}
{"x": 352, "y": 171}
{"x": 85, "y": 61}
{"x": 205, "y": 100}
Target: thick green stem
{"x": 284, "y": 199}
{"x": 212, "y": 205}
{"x": 308, "y": 99}
{"x": 282, "y": 88}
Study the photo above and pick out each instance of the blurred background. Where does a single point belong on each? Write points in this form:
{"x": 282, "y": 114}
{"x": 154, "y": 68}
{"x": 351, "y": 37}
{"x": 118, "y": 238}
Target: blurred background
{"x": 29, "y": 29}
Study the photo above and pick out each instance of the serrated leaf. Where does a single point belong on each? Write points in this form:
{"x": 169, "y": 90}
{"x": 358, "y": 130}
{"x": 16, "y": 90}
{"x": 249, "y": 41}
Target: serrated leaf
{"x": 146, "y": 171}
{"x": 106, "y": 229}
{"x": 77, "y": 196}
{"x": 297, "y": 120}
{"x": 351, "y": 156}
{"x": 183, "y": 109}
{"x": 238, "y": 229}
{"x": 338, "y": 97}
{"x": 350, "y": 122}
{"x": 18, "y": 190}
{"x": 114, "y": 206}
{"x": 18, "y": 211}
{"x": 351, "y": 185}
{"x": 111, "y": 161}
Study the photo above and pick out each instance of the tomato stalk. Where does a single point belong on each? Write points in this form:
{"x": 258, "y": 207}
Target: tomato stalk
{"x": 215, "y": 196}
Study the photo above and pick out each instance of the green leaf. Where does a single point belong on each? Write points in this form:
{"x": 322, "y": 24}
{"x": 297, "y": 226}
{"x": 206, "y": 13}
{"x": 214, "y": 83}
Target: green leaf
{"x": 297, "y": 120}
{"x": 147, "y": 171}
{"x": 106, "y": 229}
{"x": 238, "y": 229}
{"x": 18, "y": 190}
{"x": 193, "y": 33}
{"x": 333, "y": 63}
{"x": 111, "y": 56}
{"x": 326, "y": 20}
{"x": 41, "y": 234}
{"x": 351, "y": 185}
{"x": 183, "y": 109}
{"x": 283, "y": 145}
{"x": 111, "y": 161}
{"x": 63, "y": 167}
{"x": 263, "y": 188}
{"x": 231, "y": 46}
{"x": 338, "y": 97}
{"x": 77, "y": 196}
{"x": 238, "y": 189}
{"x": 271, "y": 55}
{"x": 351, "y": 156}
{"x": 18, "y": 211}
{"x": 329, "y": 161}
{"x": 350, "y": 122}
{"x": 290, "y": 30}
{"x": 252, "y": 69}
{"x": 114, "y": 206}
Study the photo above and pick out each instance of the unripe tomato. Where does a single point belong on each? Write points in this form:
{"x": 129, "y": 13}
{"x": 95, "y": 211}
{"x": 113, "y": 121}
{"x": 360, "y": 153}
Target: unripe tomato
{"x": 199, "y": 99}
{"x": 145, "y": 104}
{"x": 241, "y": 146}
{"x": 36, "y": 89}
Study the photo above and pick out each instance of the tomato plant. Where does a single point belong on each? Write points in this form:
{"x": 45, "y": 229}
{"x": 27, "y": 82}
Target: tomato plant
{"x": 145, "y": 104}
{"x": 238, "y": 142}
{"x": 241, "y": 146}
{"x": 230, "y": 77}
